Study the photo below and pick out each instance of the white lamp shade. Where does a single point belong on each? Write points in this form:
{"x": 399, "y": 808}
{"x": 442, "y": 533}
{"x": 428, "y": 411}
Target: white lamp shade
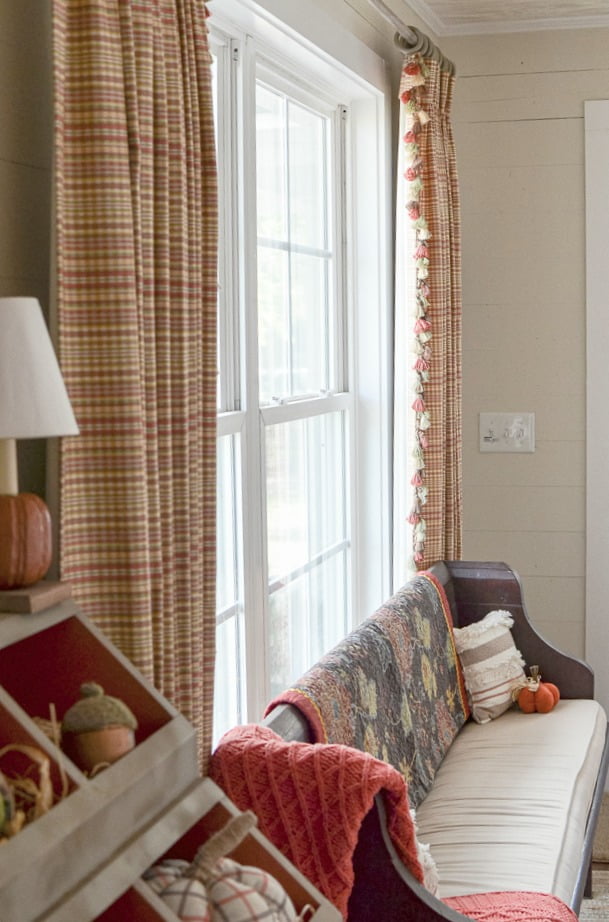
{"x": 33, "y": 399}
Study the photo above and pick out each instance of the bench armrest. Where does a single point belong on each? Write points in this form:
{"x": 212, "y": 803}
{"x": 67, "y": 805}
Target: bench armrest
{"x": 475, "y": 588}
{"x": 384, "y": 888}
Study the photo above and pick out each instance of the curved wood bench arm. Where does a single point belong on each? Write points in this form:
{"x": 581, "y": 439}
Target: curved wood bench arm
{"x": 475, "y": 588}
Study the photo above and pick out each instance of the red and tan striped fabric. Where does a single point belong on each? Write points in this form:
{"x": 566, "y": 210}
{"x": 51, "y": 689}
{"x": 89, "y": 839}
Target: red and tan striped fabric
{"x": 136, "y": 255}
{"x": 441, "y": 202}
{"x": 426, "y": 91}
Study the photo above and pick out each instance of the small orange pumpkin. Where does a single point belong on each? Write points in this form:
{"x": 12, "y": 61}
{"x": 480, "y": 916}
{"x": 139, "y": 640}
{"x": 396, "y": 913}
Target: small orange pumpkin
{"x": 537, "y": 695}
{"x": 25, "y": 540}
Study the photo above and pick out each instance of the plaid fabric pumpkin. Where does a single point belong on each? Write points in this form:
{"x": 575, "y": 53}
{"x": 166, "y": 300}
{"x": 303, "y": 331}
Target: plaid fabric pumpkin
{"x": 237, "y": 893}
{"x": 217, "y": 889}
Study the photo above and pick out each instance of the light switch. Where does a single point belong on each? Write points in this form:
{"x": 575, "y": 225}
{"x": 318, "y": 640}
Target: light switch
{"x": 507, "y": 432}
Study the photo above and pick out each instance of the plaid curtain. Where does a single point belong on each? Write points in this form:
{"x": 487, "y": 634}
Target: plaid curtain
{"x": 428, "y": 481}
{"x": 136, "y": 210}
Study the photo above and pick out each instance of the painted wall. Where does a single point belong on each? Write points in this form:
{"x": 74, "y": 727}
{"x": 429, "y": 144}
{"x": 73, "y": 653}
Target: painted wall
{"x": 519, "y": 125}
{"x": 25, "y": 173}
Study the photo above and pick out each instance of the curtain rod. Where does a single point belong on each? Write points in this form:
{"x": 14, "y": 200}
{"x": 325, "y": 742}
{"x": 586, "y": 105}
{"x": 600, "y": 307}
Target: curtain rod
{"x": 410, "y": 40}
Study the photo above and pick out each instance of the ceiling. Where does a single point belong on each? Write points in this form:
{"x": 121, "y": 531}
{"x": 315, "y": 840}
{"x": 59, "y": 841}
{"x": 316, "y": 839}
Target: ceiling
{"x": 470, "y": 17}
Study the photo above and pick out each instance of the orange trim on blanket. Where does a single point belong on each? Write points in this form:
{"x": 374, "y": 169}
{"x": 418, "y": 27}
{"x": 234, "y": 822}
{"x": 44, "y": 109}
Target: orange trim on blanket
{"x": 295, "y": 696}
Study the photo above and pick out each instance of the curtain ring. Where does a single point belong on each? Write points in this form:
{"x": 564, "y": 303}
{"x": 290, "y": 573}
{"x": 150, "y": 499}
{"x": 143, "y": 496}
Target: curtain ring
{"x": 424, "y": 46}
{"x": 419, "y": 44}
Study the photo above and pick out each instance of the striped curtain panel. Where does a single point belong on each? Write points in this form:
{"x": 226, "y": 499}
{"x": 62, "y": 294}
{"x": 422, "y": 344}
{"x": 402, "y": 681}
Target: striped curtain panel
{"x": 428, "y": 480}
{"x": 136, "y": 207}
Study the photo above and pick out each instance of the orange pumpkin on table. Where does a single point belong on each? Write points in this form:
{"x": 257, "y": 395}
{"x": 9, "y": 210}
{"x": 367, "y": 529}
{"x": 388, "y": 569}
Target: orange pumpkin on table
{"x": 537, "y": 695}
{"x": 25, "y": 540}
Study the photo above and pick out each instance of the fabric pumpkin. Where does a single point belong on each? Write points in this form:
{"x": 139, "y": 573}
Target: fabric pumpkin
{"x": 185, "y": 896}
{"x": 217, "y": 889}
{"x": 540, "y": 698}
{"x": 26, "y": 545}
{"x": 537, "y": 696}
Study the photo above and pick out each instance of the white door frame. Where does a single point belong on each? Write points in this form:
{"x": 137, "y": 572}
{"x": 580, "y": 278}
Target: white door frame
{"x": 597, "y": 386}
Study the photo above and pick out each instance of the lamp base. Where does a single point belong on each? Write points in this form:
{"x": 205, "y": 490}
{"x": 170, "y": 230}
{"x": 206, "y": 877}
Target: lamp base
{"x": 36, "y": 598}
{"x": 8, "y": 466}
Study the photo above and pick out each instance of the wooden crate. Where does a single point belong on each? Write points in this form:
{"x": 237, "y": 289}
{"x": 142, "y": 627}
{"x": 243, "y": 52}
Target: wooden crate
{"x": 177, "y": 834}
{"x": 44, "y": 658}
{"x": 83, "y": 860}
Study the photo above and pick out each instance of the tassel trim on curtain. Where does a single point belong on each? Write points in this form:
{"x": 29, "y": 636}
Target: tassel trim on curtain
{"x": 413, "y": 78}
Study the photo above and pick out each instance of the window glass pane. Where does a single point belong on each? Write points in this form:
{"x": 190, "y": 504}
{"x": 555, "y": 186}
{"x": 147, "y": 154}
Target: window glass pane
{"x": 306, "y": 490}
{"x": 308, "y": 540}
{"x": 230, "y": 671}
{"x": 273, "y": 305}
{"x": 328, "y": 617}
{"x": 287, "y": 634}
{"x": 308, "y": 171}
{"x": 271, "y": 171}
{"x": 228, "y": 681}
{"x": 286, "y": 492}
{"x": 310, "y": 333}
{"x": 308, "y": 617}
{"x": 293, "y": 303}
{"x": 227, "y": 538}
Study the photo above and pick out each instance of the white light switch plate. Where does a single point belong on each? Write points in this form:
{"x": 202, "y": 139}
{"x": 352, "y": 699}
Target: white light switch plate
{"x": 507, "y": 432}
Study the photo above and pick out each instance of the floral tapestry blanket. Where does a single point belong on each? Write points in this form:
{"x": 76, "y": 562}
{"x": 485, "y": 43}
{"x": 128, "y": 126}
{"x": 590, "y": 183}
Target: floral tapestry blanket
{"x": 393, "y": 687}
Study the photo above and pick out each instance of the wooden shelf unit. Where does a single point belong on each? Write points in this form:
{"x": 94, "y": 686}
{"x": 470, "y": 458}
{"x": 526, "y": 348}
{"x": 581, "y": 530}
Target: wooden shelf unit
{"x": 83, "y": 860}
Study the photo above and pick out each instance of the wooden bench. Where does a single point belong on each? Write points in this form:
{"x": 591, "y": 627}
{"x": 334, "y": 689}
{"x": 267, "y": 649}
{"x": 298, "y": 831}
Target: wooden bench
{"x": 383, "y": 887}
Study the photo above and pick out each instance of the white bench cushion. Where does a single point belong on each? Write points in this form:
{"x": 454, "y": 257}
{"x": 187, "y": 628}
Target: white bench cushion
{"x": 508, "y": 807}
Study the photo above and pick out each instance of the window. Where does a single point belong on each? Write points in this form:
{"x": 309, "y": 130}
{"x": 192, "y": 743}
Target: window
{"x": 301, "y": 492}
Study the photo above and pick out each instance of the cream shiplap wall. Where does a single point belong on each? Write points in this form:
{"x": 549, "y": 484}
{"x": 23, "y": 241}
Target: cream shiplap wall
{"x": 25, "y": 172}
{"x": 518, "y": 117}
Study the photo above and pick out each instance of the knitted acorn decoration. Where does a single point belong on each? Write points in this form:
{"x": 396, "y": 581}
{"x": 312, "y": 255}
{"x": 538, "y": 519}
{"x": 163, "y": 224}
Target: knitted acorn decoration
{"x": 98, "y": 729}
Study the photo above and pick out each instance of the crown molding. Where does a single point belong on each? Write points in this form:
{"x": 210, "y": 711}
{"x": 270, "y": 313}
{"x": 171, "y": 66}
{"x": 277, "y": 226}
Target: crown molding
{"x": 439, "y": 27}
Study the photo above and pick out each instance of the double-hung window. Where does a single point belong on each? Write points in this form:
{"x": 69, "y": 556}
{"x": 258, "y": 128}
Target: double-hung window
{"x": 302, "y": 494}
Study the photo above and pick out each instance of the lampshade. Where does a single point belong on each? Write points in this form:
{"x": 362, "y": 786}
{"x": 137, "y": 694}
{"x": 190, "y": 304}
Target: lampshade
{"x": 33, "y": 398}
{"x": 33, "y": 404}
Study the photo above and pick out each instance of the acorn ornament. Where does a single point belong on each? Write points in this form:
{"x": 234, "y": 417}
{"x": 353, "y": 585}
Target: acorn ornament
{"x": 535, "y": 695}
{"x": 97, "y": 730}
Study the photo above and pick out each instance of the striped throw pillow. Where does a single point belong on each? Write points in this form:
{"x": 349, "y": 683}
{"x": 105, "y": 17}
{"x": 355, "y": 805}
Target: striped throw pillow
{"x": 491, "y": 664}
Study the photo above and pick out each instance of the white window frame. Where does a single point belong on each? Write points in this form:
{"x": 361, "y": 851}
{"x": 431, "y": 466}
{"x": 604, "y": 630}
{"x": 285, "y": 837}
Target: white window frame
{"x": 259, "y": 38}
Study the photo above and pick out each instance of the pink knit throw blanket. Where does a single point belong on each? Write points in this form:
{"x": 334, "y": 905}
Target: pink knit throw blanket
{"x": 311, "y": 799}
{"x": 516, "y": 906}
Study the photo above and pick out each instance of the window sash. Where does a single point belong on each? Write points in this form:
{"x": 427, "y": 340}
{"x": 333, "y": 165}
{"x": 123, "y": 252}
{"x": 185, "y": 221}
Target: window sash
{"x": 245, "y": 59}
